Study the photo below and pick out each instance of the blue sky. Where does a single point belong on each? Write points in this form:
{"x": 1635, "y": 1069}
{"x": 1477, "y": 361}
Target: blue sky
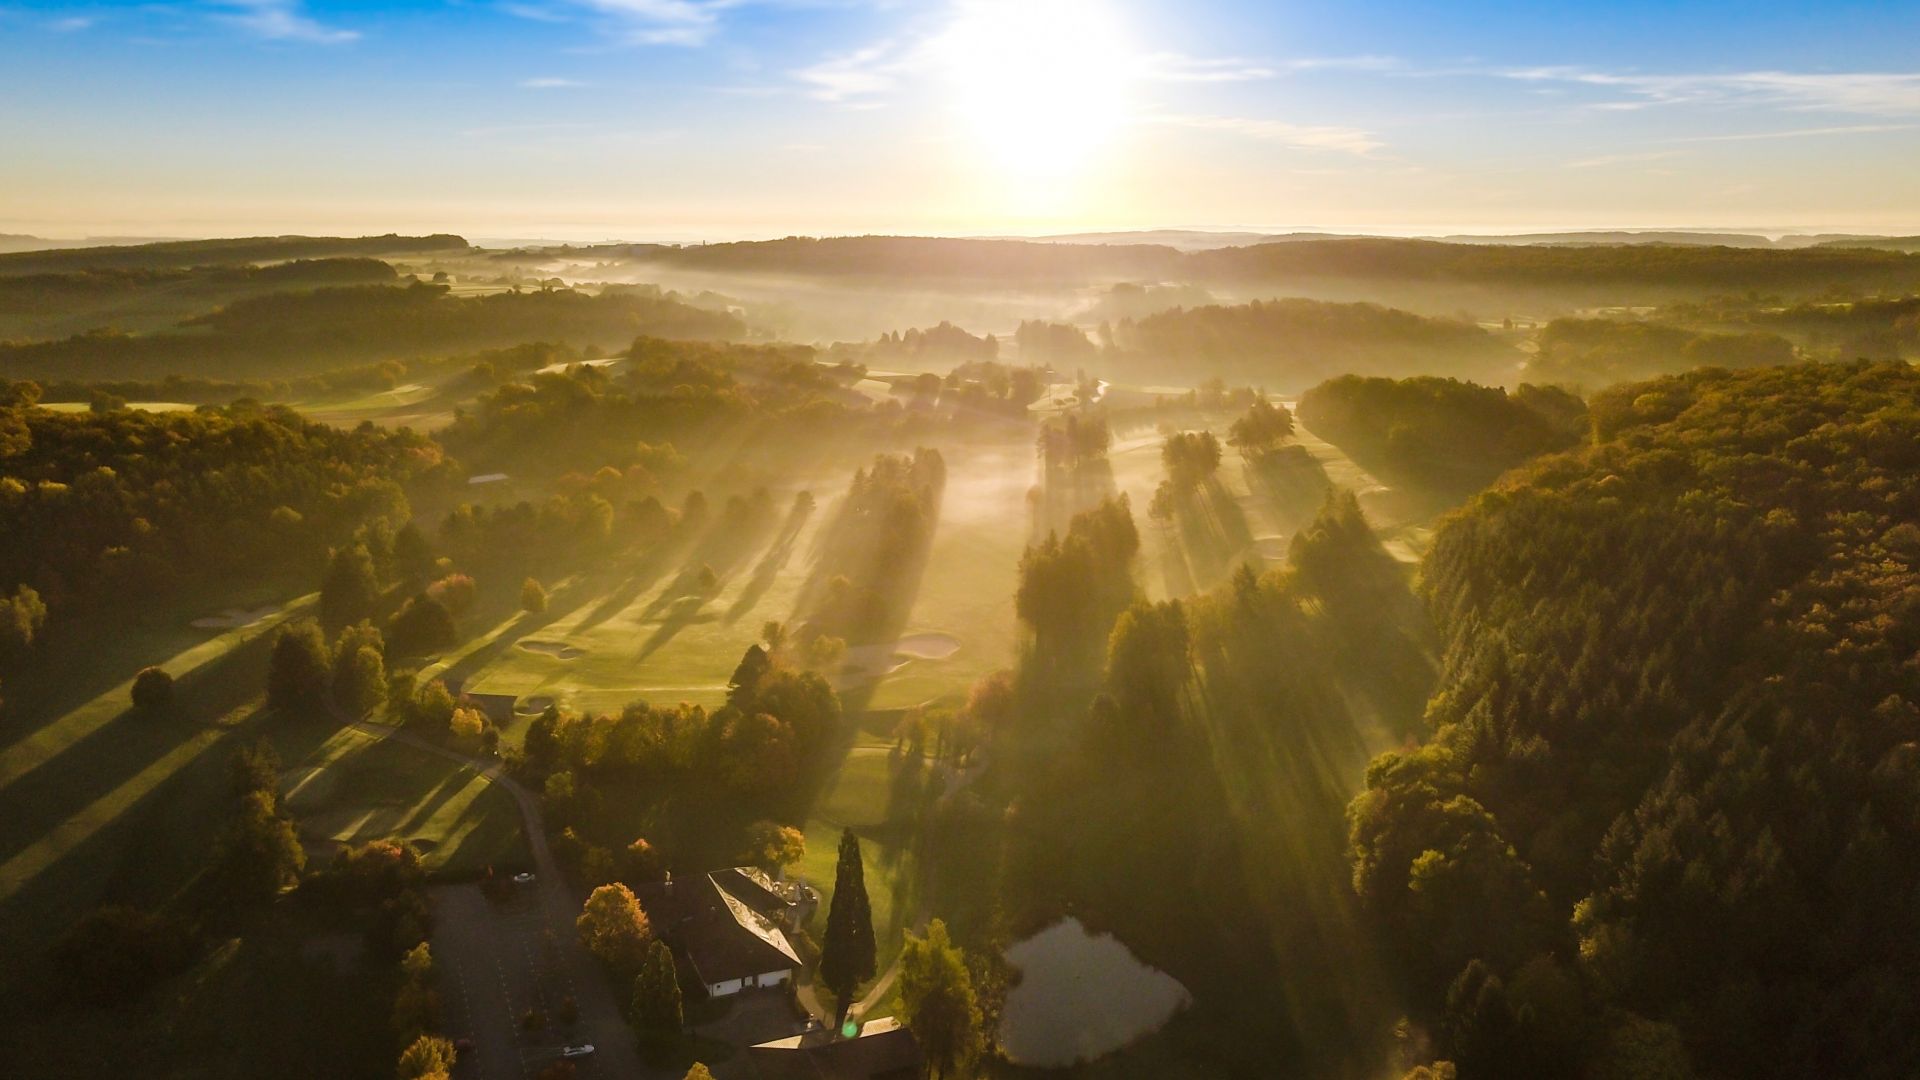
{"x": 683, "y": 119}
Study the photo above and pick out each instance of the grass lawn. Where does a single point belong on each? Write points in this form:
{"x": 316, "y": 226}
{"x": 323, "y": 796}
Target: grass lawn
{"x": 356, "y": 787}
{"x": 971, "y": 576}
{"x": 858, "y": 798}
{"x": 100, "y": 803}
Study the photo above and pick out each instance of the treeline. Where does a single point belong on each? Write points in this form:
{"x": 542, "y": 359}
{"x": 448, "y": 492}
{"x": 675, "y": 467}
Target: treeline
{"x": 487, "y": 368}
{"x": 1592, "y": 270}
{"x": 1666, "y": 822}
{"x": 1442, "y": 433}
{"x": 177, "y": 254}
{"x": 132, "y": 505}
{"x": 69, "y": 302}
{"x": 293, "y": 333}
{"x": 1644, "y": 266}
{"x": 936, "y": 345}
{"x": 1595, "y": 353}
{"x": 1291, "y": 344}
{"x": 685, "y": 394}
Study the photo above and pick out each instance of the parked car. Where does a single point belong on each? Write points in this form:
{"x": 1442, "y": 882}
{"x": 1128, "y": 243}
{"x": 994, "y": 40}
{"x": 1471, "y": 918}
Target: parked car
{"x": 583, "y": 1050}
{"x": 523, "y": 878}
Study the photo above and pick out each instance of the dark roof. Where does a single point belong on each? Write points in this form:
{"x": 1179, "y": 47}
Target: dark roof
{"x": 729, "y": 940}
{"x": 882, "y": 1051}
{"x": 498, "y": 707}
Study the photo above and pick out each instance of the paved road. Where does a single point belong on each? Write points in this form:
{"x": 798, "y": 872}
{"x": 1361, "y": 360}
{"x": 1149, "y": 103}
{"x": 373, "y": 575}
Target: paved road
{"x": 535, "y": 954}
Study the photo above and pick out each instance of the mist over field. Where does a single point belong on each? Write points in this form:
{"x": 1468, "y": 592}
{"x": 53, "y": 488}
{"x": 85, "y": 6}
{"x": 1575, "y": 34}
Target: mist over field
{"x": 1086, "y": 538}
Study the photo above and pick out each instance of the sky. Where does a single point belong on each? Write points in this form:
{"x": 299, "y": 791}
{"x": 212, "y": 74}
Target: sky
{"x": 725, "y": 119}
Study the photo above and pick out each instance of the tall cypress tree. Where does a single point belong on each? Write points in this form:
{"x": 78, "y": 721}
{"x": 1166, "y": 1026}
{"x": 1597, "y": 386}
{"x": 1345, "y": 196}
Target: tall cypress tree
{"x": 847, "y": 954}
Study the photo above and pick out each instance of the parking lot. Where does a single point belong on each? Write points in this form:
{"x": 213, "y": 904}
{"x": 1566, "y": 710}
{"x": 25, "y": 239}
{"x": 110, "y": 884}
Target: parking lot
{"x": 499, "y": 960}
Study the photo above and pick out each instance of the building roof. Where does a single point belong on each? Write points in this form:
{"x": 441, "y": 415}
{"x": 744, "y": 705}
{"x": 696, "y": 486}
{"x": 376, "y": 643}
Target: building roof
{"x": 751, "y": 886}
{"x": 730, "y": 940}
{"x": 883, "y": 1050}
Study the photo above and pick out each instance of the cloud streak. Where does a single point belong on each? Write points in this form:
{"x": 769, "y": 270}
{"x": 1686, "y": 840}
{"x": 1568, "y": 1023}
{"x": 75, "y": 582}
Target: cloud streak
{"x": 1864, "y": 93}
{"x": 280, "y": 20}
{"x": 1345, "y": 140}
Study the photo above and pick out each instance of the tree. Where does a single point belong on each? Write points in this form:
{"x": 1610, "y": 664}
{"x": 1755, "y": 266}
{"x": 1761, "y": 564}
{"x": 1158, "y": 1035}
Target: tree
{"x": 415, "y": 1005}
{"x": 423, "y": 625}
{"x": 698, "y": 1072}
{"x": 847, "y": 953}
{"x": 467, "y": 722}
{"x": 428, "y": 1057}
{"x": 350, "y": 589}
{"x": 614, "y": 929}
{"x": 655, "y": 1009}
{"x": 412, "y": 555}
{"x": 455, "y": 591}
{"x": 992, "y": 703}
{"x": 747, "y": 675}
{"x": 359, "y": 675}
{"x": 152, "y": 690}
{"x": 297, "y": 669}
{"x": 937, "y": 1001}
{"x": 773, "y": 847}
{"x": 262, "y": 852}
{"x": 22, "y": 617}
{"x": 533, "y": 597}
{"x": 1263, "y": 427}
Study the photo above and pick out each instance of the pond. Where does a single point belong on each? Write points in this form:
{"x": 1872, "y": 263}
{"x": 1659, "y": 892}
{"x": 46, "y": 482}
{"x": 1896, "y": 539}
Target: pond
{"x": 1081, "y": 996}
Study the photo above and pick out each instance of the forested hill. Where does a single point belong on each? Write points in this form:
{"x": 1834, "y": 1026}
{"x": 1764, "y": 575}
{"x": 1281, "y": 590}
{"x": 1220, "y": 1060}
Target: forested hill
{"x": 1289, "y": 345}
{"x": 1598, "y": 269}
{"x": 279, "y": 335}
{"x": 1672, "y": 802}
{"x": 177, "y": 254}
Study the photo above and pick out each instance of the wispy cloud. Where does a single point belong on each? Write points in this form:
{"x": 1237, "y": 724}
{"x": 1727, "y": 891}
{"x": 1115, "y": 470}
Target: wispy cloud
{"x": 1344, "y": 140}
{"x": 1869, "y": 93}
{"x": 73, "y": 24}
{"x": 548, "y": 82}
{"x": 1179, "y": 68}
{"x": 637, "y": 22}
{"x": 1795, "y": 133}
{"x": 280, "y": 20}
{"x": 856, "y": 78}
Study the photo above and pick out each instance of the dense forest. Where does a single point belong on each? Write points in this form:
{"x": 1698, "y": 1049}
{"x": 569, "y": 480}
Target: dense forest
{"x": 1442, "y": 433}
{"x": 1667, "y": 810}
{"x": 293, "y": 333}
{"x": 1600, "y": 352}
{"x": 61, "y": 304}
{"x": 129, "y": 505}
{"x": 1288, "y": 345}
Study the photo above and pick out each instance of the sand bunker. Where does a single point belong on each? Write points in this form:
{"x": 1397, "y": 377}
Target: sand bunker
{"x": 931, "y": 646}
{"x": 554, "y": 649}
{"x": 234, "y": 618}
{"x": 864, "y": 662}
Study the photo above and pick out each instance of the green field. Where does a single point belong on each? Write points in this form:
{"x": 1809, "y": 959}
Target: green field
{"x": 100, "y": 803}
{"x": 611, "y": 638}
{"x": 858, "y": 798}
{"x": 357, "y": 787}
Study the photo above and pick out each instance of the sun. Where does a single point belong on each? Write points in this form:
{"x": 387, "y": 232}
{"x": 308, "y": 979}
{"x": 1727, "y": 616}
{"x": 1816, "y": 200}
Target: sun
{"x": 1039, "y": 86}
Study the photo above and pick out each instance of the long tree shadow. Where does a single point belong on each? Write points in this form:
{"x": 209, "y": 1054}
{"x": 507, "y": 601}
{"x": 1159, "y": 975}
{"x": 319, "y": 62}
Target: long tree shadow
{"x": 1292, "y": 481}
{"x": 775, "y": 559}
